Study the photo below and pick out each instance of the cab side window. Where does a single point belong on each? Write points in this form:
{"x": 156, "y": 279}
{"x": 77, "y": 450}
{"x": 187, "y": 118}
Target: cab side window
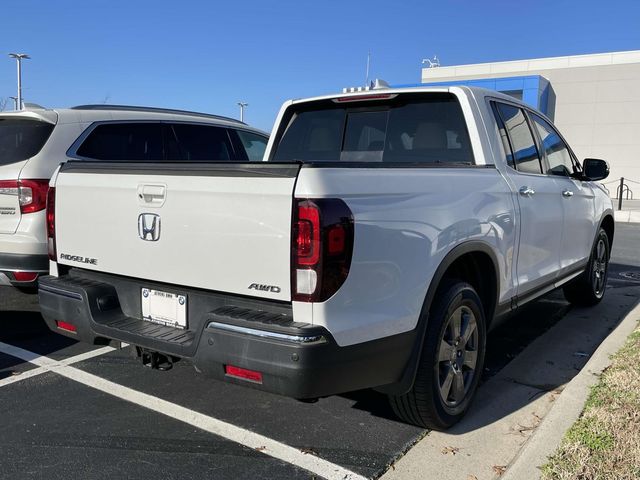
{"x": 525, "y": 152}
{"x": 556, "y": 151}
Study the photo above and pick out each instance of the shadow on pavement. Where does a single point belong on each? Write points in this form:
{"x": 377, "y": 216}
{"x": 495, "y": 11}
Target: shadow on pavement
{"x": 522, "y": 362}
{"x": 22, "y": 325}
{"x": 537, "y": 350}
{"x": 550, "y": 361}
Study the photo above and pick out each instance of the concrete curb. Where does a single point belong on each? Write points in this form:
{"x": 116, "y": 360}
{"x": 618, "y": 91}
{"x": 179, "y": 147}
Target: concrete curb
{"x": 569, "y": 405}
{"x": 544, "y": 386}
{"x": 627, "y": 216}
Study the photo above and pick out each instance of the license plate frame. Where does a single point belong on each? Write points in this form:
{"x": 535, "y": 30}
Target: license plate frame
{"x": 164, "y": 308}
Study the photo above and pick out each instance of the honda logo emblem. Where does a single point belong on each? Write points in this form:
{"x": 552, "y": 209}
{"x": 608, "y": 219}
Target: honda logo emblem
{"x": 149, "y": 227}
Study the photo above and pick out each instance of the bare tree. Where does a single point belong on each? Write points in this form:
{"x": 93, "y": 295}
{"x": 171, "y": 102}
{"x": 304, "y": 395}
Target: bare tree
{"x": 3, "y": 103}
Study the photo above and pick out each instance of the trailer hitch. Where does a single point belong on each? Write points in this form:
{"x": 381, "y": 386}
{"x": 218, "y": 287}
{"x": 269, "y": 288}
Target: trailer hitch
{"x": 155, "y": 360}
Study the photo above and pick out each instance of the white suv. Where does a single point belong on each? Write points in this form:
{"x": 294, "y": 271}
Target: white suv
{"x": 34, "y": 142}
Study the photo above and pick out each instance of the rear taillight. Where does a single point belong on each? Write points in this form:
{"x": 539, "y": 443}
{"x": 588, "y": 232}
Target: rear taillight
{"x": 32, "y": 194}
{"x": 322, "y": 245}
{"x": 308, "y": 237}
{"x": 51, "y": 223}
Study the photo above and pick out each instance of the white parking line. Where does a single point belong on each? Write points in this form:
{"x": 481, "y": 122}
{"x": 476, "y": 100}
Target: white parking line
{"x": 23, "y": 376}
{"x": 249, "y": 439}
{"x": 50, "y": 363}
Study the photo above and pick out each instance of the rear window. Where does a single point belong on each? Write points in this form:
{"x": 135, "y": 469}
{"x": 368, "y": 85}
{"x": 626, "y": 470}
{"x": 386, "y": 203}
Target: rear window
{"x": 21, "y": 139}
{"x": 410, "y": 128}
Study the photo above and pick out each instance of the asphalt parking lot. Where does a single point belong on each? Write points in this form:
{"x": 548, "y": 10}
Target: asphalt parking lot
{"x": 71, "y": 410}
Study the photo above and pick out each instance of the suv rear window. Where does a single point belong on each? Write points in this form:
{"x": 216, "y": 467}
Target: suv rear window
{"x": 21, "y": 139}
{"x": 410, "y": 128}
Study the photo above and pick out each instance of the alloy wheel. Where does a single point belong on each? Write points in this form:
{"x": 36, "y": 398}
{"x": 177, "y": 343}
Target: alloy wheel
{"x": 599, "y": 270}
{"x": 457, "y": 356}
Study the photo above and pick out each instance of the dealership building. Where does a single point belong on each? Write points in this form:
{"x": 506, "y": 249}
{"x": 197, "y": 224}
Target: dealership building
{"x": 593, "y": 99}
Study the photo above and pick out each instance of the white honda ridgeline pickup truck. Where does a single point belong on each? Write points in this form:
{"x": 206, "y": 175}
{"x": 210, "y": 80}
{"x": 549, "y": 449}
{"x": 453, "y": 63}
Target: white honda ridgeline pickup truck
{"x": 383, "y": 234}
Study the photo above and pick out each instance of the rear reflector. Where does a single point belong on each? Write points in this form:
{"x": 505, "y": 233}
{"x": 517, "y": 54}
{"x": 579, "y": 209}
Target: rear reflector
{"x": 243, "y": 373}
{"x": 65, "y": 326}
{"x": 25, "y": 276}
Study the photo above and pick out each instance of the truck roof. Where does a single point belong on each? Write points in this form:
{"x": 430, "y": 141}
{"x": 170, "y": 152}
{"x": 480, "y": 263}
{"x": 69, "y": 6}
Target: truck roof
{"x": 477, "y": 92}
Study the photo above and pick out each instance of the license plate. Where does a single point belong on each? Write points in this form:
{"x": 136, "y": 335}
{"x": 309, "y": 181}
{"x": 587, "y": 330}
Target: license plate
{"x": 164, "y": 308}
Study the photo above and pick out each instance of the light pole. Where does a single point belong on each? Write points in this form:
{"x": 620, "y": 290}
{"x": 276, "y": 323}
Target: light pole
{"x": 19, "y": 57}
{"x": 15, "y": 102}
{"x": 242, "y": 105}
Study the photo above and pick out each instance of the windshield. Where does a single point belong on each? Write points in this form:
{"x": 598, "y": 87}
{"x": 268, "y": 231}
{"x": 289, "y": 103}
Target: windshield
{"x": 410, "y": 128}
{"x": 21, "y": 139}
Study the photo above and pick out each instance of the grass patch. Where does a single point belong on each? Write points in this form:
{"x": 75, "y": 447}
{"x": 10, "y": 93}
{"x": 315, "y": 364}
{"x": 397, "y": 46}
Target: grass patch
{"x": 604, "y": 443}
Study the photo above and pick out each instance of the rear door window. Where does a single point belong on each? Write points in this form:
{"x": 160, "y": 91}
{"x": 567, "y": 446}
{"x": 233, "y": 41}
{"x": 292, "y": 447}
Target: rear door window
{"x": 504, "y": 137}
{"x": 199, "y": 143}
{"x": 124, "y": 141}
{"x": 525, "y": 152}
{"x": 408, "y": 128}
{"x": 21, "y": 139}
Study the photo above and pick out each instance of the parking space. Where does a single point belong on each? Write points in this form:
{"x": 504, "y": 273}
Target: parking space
{"x": 73, "y": 410}
{"x": 355, "y": 432}
{"x": 62, "y": 429}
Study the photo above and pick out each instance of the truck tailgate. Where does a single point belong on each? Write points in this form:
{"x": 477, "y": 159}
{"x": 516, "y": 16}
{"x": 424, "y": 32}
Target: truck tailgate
{"x": 224, "y": 227}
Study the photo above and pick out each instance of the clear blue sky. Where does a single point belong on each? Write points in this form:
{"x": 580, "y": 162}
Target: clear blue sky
{"x": 207, "y": 55}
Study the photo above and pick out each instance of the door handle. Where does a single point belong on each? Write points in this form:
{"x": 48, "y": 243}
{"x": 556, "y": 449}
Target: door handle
{"x": 152, "y": 195}
{"x": 567, "y": 193}
{"x": 527, "y": 191}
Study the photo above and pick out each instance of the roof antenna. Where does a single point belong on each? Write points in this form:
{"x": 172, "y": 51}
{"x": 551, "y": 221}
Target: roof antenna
{"x": 366, "y": 79}
{"x": 435, "y": 63}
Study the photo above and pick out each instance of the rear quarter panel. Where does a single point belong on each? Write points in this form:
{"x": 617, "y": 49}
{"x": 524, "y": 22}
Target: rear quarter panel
{"x": 406, "y": 221}
{"x": 54, "y": 152}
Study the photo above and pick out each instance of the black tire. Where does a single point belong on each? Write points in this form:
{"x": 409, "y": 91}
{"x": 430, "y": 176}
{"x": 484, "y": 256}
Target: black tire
{"x": 425, "y": 404}
{"x": 589, "y": 288}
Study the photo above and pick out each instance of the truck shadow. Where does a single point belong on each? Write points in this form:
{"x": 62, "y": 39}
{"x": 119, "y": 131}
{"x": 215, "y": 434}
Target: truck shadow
{"x": 21, "y": 325}
{"x": 538, "y": 350}
{"x": 26, "y": 330}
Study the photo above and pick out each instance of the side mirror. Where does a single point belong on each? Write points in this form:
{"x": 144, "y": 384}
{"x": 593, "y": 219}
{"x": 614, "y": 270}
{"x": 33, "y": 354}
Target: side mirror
{"x": 595, "y": 169}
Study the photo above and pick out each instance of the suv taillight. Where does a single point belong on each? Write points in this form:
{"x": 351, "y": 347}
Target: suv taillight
{"x": 322, "y": 245}
{"x": 51, "y": 223}
{"x": 32, "y": 194}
